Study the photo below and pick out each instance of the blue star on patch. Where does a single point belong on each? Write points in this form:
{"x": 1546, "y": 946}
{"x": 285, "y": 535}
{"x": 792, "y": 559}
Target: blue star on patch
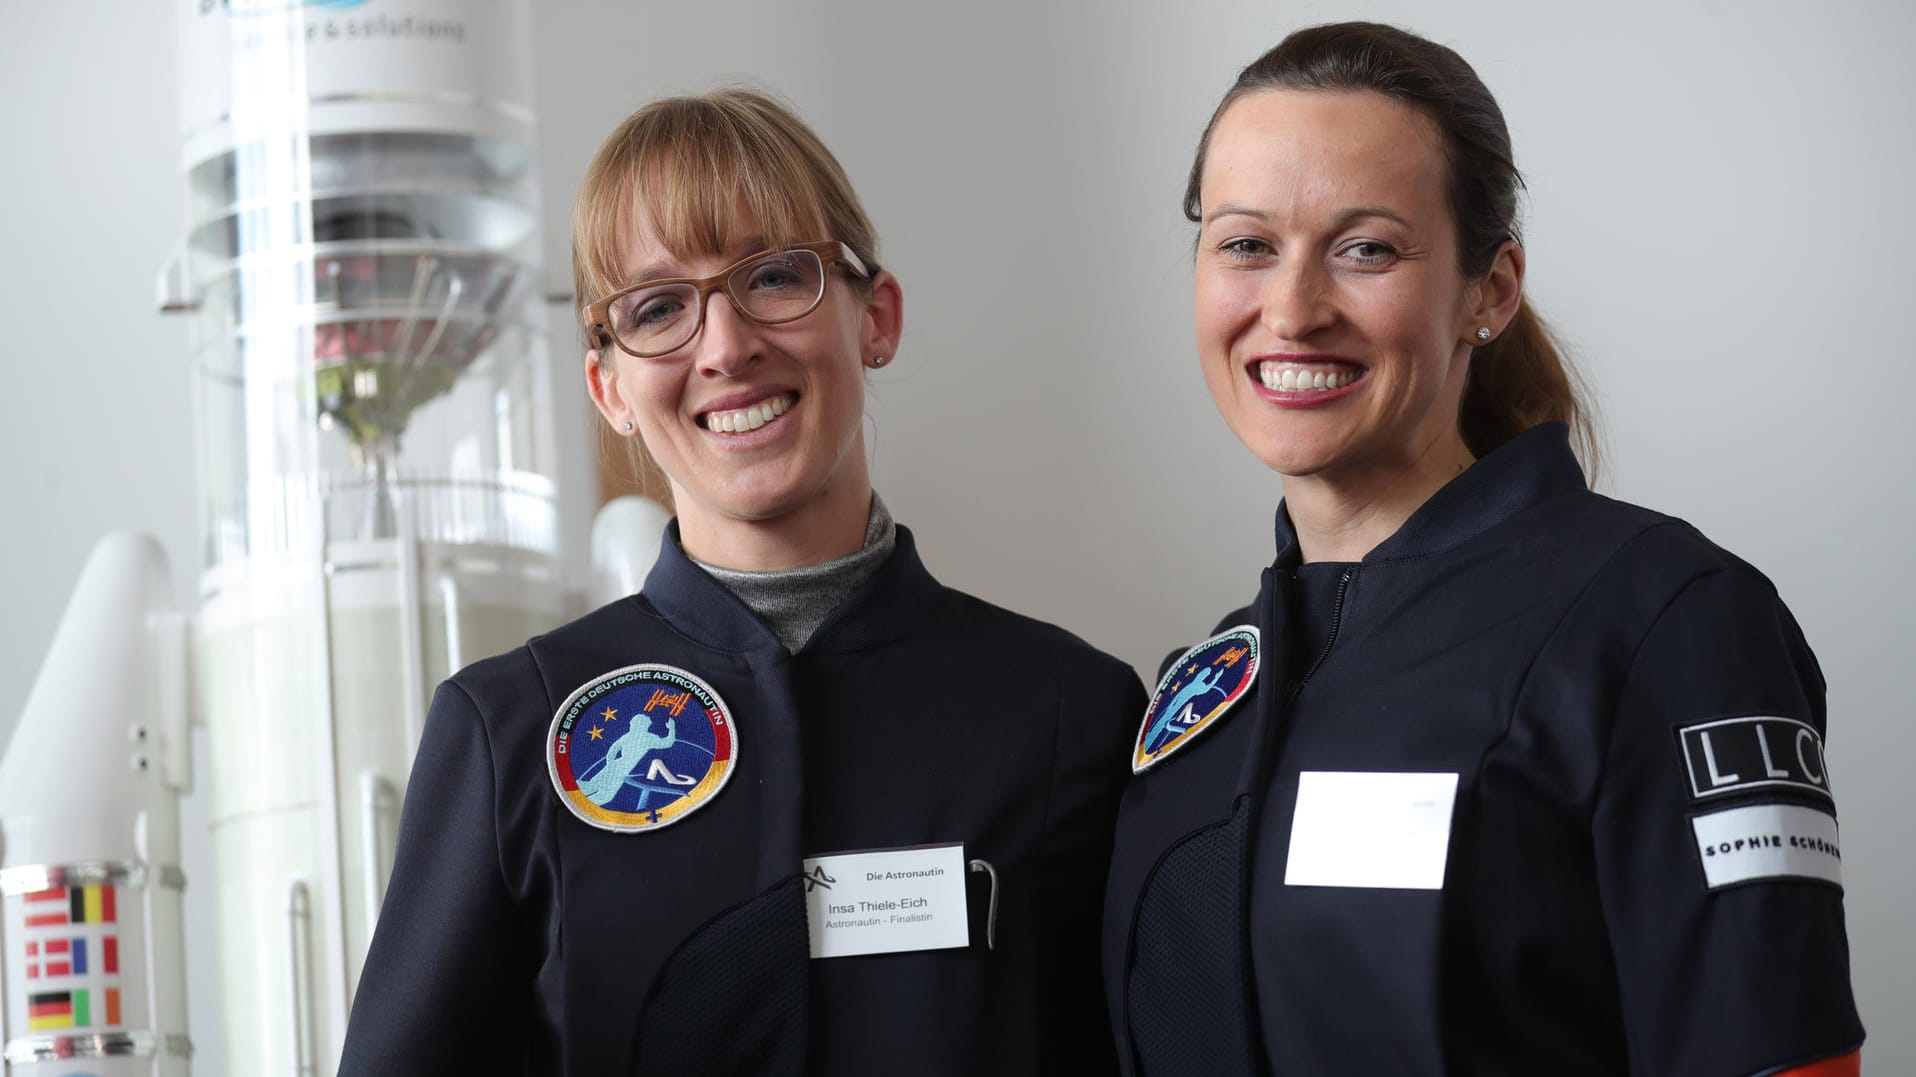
{"x": 1198, "y": 688}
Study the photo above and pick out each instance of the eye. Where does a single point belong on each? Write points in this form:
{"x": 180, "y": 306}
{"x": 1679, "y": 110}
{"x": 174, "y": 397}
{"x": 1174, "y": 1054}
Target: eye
{"x": 644, "y": 310}
{"x": 1245, "y": 249}
{"x": 1369, "y": 252}
{"x": 778, "y": 275}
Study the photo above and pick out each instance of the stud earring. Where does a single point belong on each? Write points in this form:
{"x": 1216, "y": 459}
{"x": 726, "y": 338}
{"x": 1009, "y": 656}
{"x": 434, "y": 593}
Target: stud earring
{"x": 628, "y": 426}
{"x": 1483, "y": 334}
{"x": 878, "y": 360}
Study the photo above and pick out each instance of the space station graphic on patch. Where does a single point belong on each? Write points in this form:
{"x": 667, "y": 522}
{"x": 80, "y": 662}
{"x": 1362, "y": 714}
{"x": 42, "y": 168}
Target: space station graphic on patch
{"x": 1195, "y": 692}
{"x": 641, "y": 748}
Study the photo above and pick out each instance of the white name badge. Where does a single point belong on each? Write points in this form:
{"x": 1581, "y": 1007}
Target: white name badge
{"x": 1380, "y": 830}
{"x": 887, "y": 900}
{"x": 1768, "y": 841}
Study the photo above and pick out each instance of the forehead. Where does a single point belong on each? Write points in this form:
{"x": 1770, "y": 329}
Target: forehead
{"x": 1297, "y": 152}
{"x": 647, "y": 251}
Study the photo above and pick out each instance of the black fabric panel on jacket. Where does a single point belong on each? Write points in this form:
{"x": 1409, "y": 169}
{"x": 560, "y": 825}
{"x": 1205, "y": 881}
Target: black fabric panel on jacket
{"x": 519, "y": 937}
{"x": 760, "y": 999}
{"x": 1612, "y": 899}
{"x": 1189, "y": 993}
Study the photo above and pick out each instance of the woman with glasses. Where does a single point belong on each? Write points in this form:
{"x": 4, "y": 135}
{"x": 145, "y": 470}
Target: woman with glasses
{"x": 795, "y": 807}
{"x": 1496, "y": 775}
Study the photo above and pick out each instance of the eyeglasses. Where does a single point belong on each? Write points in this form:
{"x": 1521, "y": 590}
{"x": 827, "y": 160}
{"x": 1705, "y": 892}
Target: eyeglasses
{"x": 654, "y": 317}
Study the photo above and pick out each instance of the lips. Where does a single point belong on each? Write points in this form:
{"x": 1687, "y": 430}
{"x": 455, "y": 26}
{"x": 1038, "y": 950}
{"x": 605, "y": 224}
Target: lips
{"x": 742, "y": 413}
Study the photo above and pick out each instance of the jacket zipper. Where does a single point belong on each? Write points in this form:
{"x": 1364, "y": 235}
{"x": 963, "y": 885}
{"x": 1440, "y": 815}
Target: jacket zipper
{"x": 1337, "y": 617}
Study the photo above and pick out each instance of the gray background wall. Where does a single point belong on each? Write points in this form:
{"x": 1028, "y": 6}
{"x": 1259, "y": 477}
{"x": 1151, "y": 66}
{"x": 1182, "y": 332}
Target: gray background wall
{"x": 1720, "y": 224}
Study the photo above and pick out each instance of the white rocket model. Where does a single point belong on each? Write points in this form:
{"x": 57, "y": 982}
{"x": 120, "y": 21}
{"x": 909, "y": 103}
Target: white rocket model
{"x": 93, "y": 974}
{"x": 376, "y": 447}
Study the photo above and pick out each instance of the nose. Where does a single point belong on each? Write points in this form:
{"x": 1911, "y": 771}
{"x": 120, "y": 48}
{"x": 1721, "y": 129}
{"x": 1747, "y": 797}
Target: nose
{"x": 1296, "y": 300}
{"x": 728, "y": 342}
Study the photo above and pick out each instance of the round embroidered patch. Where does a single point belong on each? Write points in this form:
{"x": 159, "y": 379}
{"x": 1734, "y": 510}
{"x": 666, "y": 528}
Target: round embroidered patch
{"x": 641, "y": 748}
{"x": 1196, "y": 691}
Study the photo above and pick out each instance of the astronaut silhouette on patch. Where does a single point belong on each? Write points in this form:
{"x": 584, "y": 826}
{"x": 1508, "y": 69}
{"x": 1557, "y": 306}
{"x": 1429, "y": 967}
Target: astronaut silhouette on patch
{"x": 604, "y": 780}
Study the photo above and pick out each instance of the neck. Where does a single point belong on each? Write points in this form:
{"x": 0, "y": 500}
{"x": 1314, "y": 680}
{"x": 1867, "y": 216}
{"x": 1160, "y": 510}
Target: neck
{"x": 830, "y": 525}
{"x": 1344, "y": 516}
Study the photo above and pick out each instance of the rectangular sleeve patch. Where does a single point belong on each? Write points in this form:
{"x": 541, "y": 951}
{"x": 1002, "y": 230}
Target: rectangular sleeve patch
{"x": 1735, "y": 755}
{"x": 1768, "y": 841}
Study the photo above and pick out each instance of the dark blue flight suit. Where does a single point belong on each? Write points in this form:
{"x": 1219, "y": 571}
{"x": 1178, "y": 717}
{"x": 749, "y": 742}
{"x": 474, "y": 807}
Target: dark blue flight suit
{"x": 517, "y": 938}
{"x": 1567, "y": 657}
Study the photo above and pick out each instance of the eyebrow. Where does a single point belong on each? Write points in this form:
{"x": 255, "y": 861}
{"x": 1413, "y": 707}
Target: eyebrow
{"x": 1343, "y": 219}
{"x": 673, "y": 271}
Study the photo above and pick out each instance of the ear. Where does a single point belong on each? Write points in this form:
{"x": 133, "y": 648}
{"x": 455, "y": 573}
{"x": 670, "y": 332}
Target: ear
{"x": 1493, "y": 299}
{"x": 602, "y": 381}
{"x": 884, "y": 321}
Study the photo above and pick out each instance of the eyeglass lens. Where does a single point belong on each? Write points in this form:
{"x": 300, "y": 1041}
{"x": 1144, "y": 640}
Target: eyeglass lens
{"x": 776, "y": 288}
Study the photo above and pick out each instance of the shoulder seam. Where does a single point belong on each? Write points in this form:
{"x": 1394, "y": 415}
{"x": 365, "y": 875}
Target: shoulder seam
{"x": 1570, "y": 609}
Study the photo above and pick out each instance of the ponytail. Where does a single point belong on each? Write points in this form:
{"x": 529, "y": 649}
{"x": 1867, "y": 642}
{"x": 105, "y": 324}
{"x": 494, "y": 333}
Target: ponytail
{"x": 1522, "y": 379}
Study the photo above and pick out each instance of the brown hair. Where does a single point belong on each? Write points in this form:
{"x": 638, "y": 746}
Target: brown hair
{"x": 1521, "y": 378}
{"x": 682, "y": 167}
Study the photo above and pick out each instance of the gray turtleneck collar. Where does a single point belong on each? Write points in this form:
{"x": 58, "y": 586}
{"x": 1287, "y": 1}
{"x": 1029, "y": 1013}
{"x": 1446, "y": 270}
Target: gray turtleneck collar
{"x": 793, "y": 602}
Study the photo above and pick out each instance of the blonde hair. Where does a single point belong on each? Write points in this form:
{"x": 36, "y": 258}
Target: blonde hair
{"x": 683, "y": 166}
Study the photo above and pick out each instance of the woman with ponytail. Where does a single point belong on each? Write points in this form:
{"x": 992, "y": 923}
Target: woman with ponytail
{"x": 1496, "y": 775}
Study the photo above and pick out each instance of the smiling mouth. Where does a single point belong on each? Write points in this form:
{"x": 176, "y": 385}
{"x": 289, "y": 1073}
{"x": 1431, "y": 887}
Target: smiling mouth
{"x": 1281, "y": 376}
{"x": 744, "y": 420}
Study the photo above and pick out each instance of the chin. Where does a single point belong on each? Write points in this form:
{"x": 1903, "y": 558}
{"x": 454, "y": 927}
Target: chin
{"x": 1292, "y": 456}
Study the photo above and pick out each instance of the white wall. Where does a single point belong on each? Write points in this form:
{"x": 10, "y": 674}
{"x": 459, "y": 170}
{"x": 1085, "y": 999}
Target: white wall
{"x": 1720, "y": 224}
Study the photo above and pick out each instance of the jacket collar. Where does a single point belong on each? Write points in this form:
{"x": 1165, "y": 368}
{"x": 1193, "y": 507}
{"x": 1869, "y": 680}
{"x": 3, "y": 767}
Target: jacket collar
{"x": 1525, "y": 471}
{"x": 884, "y": 607}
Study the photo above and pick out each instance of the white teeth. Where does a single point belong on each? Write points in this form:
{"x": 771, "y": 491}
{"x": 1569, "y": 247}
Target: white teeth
{"x": 1290, "y": 379}
{"x": 746, "y": 419}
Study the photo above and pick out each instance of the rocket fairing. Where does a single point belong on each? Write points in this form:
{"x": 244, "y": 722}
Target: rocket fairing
{"x": 92, "y": 966}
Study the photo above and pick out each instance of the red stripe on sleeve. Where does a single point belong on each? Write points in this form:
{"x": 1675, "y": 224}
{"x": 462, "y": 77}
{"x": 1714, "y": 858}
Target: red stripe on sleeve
{"x": 111, "y": 947}
{"x": 106, "y": 904}
{"x": 58, "y": 893}
{"x": 47, "y": 919}
{"x": 57, "y": 946}
{"x": 1850, "y": 1065}
{"x": 59, "y": 968}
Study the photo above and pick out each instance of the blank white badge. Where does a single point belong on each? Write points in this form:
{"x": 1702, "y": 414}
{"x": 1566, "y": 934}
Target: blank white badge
{"x": 1380, "y": 830}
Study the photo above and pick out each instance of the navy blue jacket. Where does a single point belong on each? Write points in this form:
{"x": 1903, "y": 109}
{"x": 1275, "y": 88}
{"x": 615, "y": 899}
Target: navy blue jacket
{"x": 517, "y": 938}
{"x": 1566, "y": 656}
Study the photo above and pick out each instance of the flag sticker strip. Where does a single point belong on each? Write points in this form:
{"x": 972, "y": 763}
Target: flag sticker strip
{"x": 94, "y": 904}
{"x": 68, "y": 957}
{"x": 58, "y": 1009}
{"x": 47, "y": 908}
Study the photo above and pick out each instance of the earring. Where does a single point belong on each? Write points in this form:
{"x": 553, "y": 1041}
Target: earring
{"x": 1483, "y": 334}
{"x": 628, "y": 426}
{"x": 878, "y": 360}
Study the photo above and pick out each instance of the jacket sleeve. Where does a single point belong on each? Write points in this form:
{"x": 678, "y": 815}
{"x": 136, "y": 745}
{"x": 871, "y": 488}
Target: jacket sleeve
{"x": 1099, "y": 711}
{"x": 443, "y": 991}
{"x": 1714, "y": 835}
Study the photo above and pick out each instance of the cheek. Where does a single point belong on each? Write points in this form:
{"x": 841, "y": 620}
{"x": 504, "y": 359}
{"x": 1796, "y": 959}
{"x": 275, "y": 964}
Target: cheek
{"x": 1213, "y": 313}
